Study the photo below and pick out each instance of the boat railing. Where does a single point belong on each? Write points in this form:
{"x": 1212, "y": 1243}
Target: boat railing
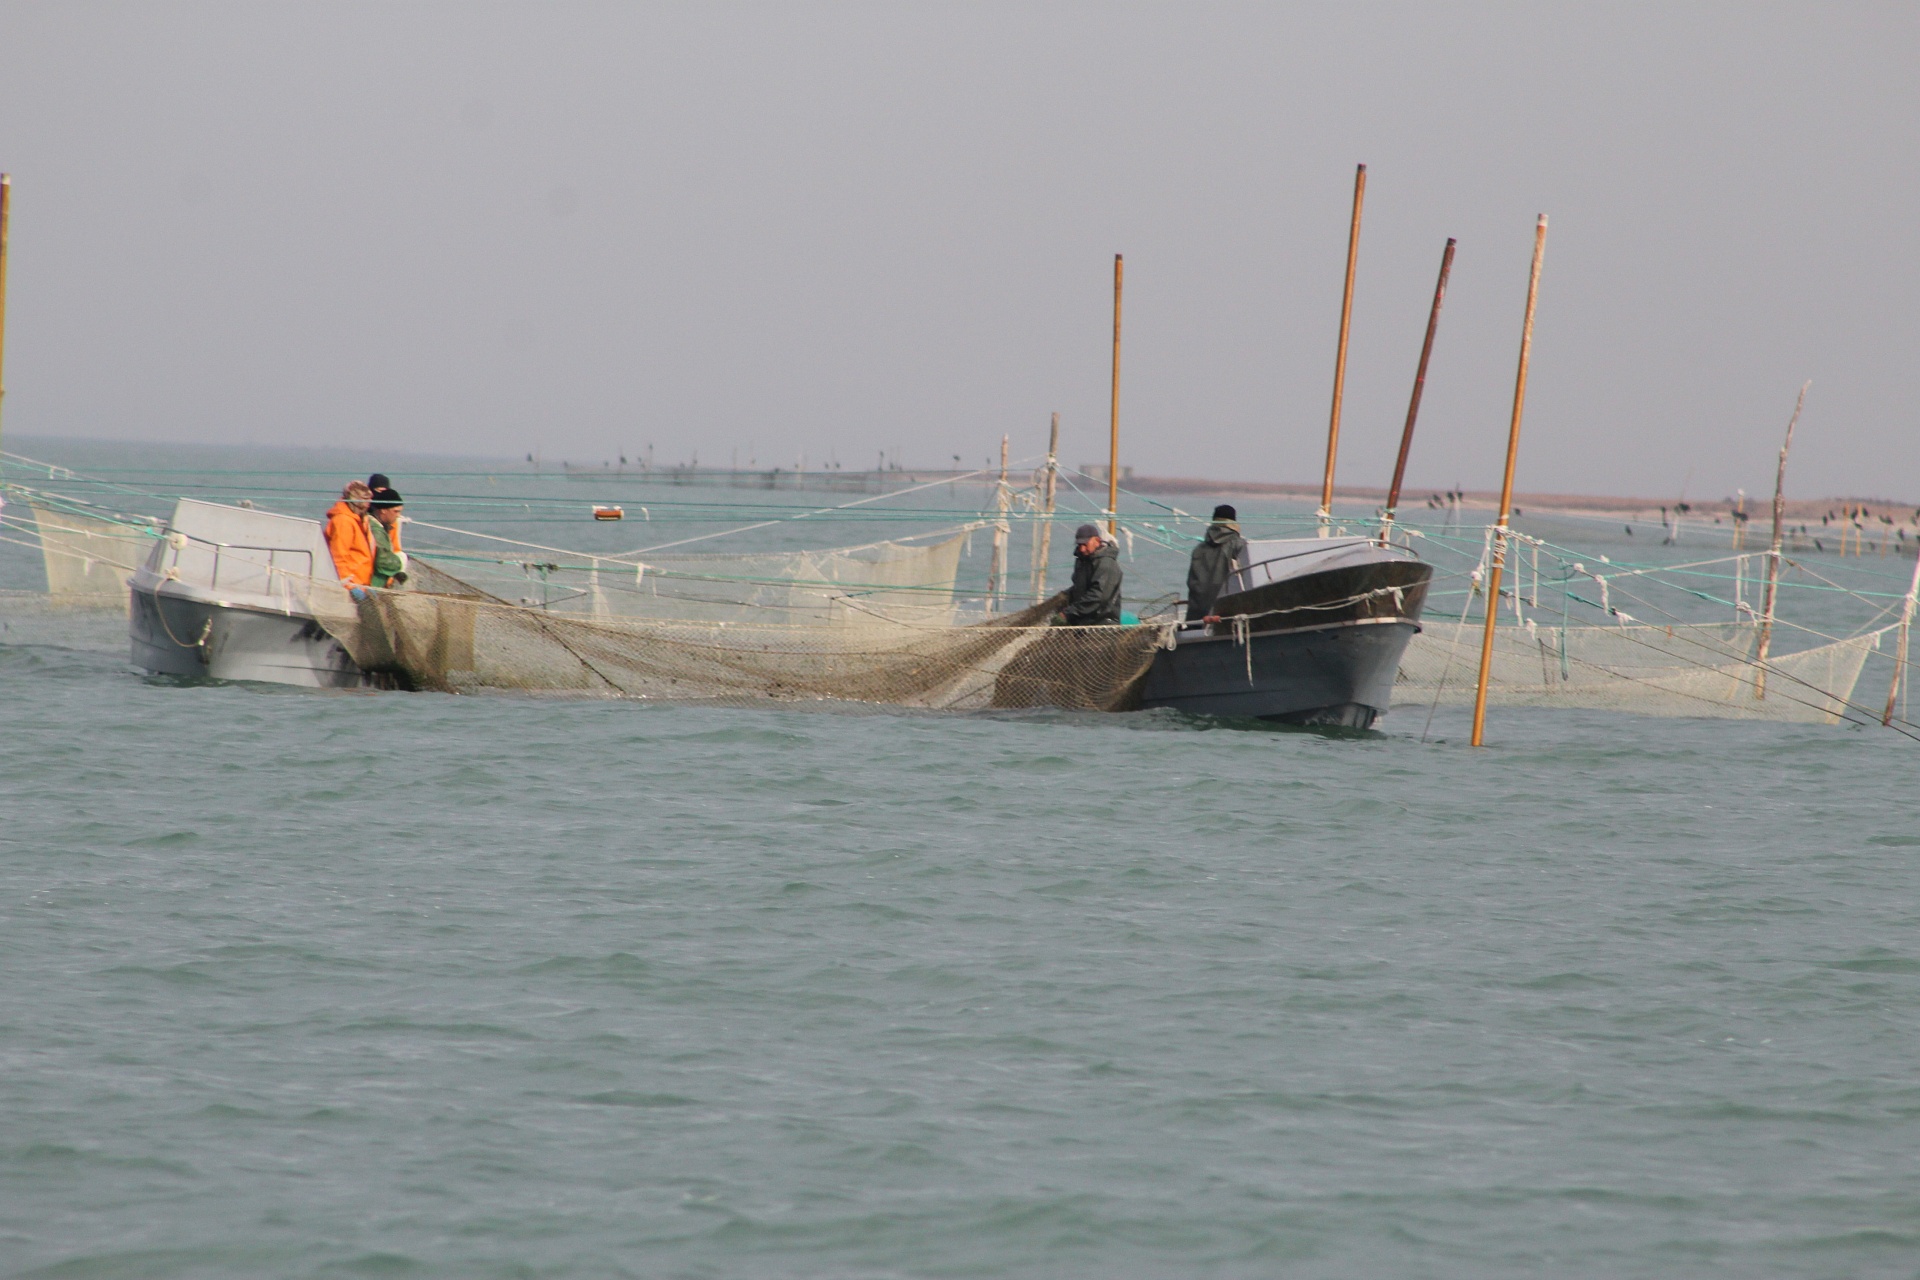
{"x": 243, "y": 565}
{"x": 272, "y": 565}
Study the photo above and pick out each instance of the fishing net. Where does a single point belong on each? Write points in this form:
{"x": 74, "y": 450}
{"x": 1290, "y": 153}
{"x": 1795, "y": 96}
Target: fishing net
{"x": 884, "y": 623}
{"x": 88, "y": 559}
{"x": 445, "y": 633}
{"x": 1702, "y": 669}
{"x": 840, "y": 587}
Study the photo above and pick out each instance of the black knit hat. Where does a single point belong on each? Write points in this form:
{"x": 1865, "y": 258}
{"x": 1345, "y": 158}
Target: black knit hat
{"x": 1086, "y": 531}
{"x": 385, "y": 497}
{"x": 378, "y": 480}
{"x": 1225, "y": 512}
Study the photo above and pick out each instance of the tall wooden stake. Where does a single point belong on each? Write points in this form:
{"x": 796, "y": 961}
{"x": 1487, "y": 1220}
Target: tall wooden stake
{"x": 1506, "y": 486}
{"x": 6, "y": 208}
{"x": 1900, "y": 651}
{"x": 1340, "y": 358}
{"x": 1113, "y": 452}
{"x": 1419, "y": 385}
{"x": 1043, "y": 532}
{"x": 997, "y": 567}
{"x": 1773, "y": 553}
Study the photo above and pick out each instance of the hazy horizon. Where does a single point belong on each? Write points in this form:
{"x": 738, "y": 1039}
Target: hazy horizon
{"x": 840, "y": 230}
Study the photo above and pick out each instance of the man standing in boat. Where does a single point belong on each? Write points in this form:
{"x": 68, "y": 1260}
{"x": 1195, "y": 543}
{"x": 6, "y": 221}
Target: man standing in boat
{"x": 389, "y": 561}
{"x": 1220, "y": 552}
{"x": 349, "y": 540}
{"x": 1094, "y": 598}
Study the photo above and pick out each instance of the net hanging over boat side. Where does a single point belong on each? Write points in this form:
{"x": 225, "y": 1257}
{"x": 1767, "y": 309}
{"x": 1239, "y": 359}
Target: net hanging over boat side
{"x": 449, "y": 635}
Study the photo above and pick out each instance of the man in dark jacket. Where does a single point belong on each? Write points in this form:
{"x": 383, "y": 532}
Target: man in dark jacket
{"x": 1094, "y": 597}
{"x": 1219, "y": 553}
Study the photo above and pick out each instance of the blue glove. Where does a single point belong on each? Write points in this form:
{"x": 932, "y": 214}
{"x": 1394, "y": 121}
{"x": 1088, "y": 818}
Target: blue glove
{"x": 359, "y": 594}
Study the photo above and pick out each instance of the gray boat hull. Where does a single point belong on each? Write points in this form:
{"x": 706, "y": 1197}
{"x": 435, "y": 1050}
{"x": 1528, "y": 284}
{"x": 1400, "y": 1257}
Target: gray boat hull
{"x": 1341, "y": 675}
{"x": 176, "y": 635}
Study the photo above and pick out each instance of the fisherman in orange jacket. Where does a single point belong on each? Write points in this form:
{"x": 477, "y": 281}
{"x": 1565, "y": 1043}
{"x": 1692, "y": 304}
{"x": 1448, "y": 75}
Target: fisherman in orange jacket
{"x": 349, "y": 540}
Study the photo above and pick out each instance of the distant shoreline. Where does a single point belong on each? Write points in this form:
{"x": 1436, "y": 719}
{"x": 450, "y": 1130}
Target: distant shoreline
{"x": 1758, "y": 506}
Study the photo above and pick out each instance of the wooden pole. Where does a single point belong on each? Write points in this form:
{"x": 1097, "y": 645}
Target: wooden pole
{"x": 6, "y": 208}
{"x": 997, "y": 568}
{"x": 1043, "y": 534}
{"x": 1506, "y": 485}
{"x": 1113, "y": 451}
{"x": 1340, "y": 357}
{"x": 1900, "y": 650}
{"x": 1419, "y": 385}
{"x": 1773, "y": 553}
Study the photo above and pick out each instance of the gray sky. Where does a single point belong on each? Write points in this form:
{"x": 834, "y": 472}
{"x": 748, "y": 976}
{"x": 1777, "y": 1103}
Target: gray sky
{"x": 839, "y": 229}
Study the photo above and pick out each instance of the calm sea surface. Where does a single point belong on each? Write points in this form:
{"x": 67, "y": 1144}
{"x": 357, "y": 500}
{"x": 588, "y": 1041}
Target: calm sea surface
{"x": 308, "y": 984}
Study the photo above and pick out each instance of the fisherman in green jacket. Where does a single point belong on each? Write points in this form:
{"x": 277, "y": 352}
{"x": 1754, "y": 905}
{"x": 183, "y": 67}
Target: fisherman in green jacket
{"x": 383, "y": 526}
{"x": 1220, "y": 552}
{"x": 1094, "y": 598}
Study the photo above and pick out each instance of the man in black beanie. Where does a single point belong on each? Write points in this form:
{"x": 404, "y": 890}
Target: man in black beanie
{"x": 1220, "y": 552}
{"x": 1094, "y": 598}
{"x": 383, "y": 526}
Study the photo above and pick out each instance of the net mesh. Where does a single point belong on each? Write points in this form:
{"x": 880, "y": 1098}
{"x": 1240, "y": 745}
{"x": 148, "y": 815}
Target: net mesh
{"x": 883, "y": 622}
{"x": 448, "y": 634}
{"x": 839, "y": 588}
{"x": 1682, "y": 670}
{"x": 88, "y": 559}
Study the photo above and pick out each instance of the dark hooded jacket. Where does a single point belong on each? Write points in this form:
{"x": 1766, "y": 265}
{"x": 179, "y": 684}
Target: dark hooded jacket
{"x": 1094, "y": 597}
{"x": 1213, "y": 561}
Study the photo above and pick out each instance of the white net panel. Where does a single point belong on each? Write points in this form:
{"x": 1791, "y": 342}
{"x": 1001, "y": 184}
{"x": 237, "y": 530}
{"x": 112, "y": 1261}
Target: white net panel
{"x": 88, "y": 559}
{"x": 837, "y": 588}
{"x": 1682, "y": 670}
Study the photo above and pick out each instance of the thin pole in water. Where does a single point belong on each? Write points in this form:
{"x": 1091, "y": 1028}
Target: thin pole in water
{"x": 1900, "y": 650}
{"x": 1043, "y": 536}
{"x": 1340, "y": 357}
{"x": 1773, "y": 553}
{"x": 997, "y": 571}
{"x": 1419, "y": 385}
{"x": 6, "y": 207}
{"x": 1506, "y": 486}
{"x": 1113, "y": 451}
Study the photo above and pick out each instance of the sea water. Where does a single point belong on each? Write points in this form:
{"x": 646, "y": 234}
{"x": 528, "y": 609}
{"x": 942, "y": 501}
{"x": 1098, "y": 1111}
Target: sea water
{"x": 317, "y": 984}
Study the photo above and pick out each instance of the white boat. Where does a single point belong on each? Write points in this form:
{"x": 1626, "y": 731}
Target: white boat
{"x": 230, "y": 593}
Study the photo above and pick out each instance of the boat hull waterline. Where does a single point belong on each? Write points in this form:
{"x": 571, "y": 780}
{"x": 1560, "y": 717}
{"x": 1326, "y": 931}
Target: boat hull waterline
{"x": 1339, "y": 676}
{"x": 1311, "y": 633}
{"x": 174, "y": 635}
